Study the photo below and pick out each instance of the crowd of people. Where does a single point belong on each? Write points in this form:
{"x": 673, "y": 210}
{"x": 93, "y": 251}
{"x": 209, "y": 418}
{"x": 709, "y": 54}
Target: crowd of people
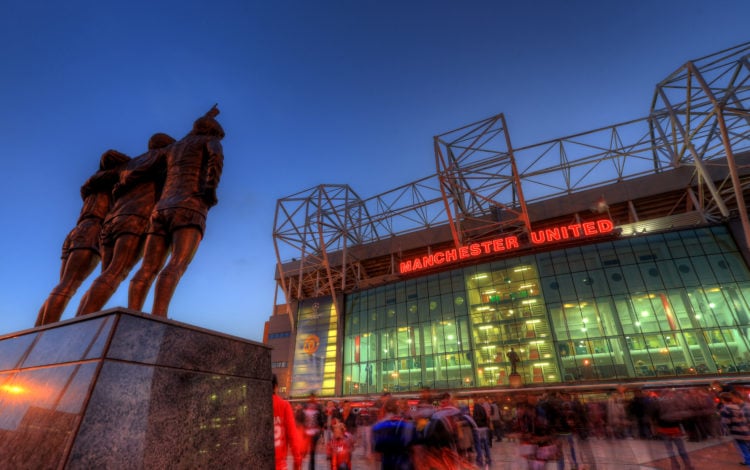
{"x": 438, "y": 431}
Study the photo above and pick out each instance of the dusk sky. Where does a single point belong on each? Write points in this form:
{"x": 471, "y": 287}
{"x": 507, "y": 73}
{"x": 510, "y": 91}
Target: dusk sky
{"x": 310, "y": 92}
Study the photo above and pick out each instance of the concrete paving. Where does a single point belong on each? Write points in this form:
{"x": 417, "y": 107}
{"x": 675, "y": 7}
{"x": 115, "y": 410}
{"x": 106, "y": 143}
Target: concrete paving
{"x": 593, "y": 454}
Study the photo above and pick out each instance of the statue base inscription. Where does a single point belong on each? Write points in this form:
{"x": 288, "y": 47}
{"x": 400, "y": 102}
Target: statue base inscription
{"x": 514, "y": 380}
{"x": 119, "y": 389}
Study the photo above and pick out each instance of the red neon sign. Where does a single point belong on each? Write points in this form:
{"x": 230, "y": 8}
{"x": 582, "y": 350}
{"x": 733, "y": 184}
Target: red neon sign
{"x": 540, "y": 237}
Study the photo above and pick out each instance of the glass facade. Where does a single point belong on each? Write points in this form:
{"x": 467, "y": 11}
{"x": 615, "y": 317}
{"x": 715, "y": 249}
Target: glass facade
{"x": 671, "y": 304}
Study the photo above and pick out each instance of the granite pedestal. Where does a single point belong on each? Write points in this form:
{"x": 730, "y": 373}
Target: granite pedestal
{"x": 122, "y": 390}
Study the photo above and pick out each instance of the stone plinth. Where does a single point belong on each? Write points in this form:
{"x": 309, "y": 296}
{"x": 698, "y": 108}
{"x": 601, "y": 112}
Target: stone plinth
{"x": 123, "y": 390}
{"x": 515, "y": 380}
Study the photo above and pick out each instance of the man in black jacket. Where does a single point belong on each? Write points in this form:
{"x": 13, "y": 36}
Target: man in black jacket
{"x": 482, "y": 418}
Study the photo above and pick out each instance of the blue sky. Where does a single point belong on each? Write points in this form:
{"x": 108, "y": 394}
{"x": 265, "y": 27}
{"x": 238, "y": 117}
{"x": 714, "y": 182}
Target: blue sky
{"x": 325, "y": 92}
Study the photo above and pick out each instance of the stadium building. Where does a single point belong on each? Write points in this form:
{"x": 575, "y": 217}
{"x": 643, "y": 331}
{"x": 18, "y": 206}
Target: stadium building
{"x": 614, "y": 256}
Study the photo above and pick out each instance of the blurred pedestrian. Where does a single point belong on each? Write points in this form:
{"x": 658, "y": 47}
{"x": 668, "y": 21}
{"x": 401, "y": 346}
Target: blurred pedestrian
{"x": 314, "y": 419}
{"x": 340, "y": 447}
{"x": 736, "y": 422}
{"x": 285, "y": 435}
{"x": 393, "y": 437}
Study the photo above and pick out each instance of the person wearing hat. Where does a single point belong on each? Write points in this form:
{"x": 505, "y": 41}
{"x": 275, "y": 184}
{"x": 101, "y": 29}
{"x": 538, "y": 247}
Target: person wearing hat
{"x": 80, "y": 251}
{"x": 124, "y": 229}
{"x": 193, "y": 169}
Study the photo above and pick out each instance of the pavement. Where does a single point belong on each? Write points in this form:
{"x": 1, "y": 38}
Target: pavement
{"x": 593, "y": 454}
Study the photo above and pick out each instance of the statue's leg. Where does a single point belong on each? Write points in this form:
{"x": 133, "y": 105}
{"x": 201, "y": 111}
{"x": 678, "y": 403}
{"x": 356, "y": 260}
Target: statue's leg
{"x": 79, "y": 264}
{"x": 185, "y": 243}
{"x": 154, "y": 255}
{"x": 124, "y": 256}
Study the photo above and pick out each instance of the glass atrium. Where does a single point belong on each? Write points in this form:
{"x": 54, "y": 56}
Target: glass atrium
{"x": 651, "y": 306}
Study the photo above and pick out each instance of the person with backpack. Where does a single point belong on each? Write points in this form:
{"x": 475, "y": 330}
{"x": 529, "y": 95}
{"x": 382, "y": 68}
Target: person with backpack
{"x": 393, "y": 437}
{"x": 482, "y": 420}
{"x": 439, "y": 439}
{"x": 467, "y": 434}
{"x": 736, "y": 422}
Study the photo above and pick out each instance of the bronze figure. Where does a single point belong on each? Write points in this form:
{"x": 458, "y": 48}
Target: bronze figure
{"x": 124, "y": 229}
{"x": 193, "y": 170}
{"x": 80, "y": 252}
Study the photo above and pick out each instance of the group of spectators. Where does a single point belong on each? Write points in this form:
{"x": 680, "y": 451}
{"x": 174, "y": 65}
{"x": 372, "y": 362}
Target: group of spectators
{"x": 438, "y": 431}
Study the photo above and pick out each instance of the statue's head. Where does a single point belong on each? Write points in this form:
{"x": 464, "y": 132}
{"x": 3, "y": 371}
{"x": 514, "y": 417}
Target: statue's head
{"x": 208, "y": 125}
{"x": 112, "y": 159}
{"x": 159, "y": 141}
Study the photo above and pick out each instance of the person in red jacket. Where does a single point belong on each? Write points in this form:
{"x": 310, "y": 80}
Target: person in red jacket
{"x": 285, "y": 435}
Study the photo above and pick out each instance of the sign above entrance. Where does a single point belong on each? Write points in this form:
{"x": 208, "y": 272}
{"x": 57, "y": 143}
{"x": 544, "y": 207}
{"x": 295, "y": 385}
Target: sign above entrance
{"x": 545, "y": 236}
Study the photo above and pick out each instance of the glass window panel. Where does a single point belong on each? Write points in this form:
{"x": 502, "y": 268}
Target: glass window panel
{"x": 545, "y": 264}
{"x": 559, "y": 262}
{"x": 615, "y": 280}
{"x": 652, "y": 276}
{"x": 692, "y": 242}
{"x": 669, "y": 274}
{"x": 645, "y": 312}
{"x": 583, "y": 283}
{"x": 591, "y": 258}
{"x": 737, "y": 266}
{"x": 627, "y": 315}
{"x": 624, "y": 252}
{"x": 709, "y": 242}
{"x": 675, "y": 245}
{"x": 688, "y": 274}
{"x": 599, "y": 284}
{"x": 433, "y": 285}
{"x": 550, "y": 289}
{"x": 575, "y": 260}
{"x": 703, "y": 268}
{"x": 566, "y": 287}
{"x": 720, "y": 268}
{"x": 633, "y": 278}
{"x": 559, "y": 324}
{"x": 641, "y": 250}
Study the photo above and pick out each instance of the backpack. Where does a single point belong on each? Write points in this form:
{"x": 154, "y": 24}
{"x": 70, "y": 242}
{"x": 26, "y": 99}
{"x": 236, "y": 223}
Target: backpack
{"x": 392, "y": 436}
{"x": 440, "y": 431}
{"x": 480, "y": 416}
{"x": 464, "y": 434}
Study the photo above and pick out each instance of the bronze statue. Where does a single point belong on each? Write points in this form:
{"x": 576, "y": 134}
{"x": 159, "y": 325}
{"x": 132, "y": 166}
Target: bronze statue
{"x": 80, "y": 251}
{"x": 514, "y": 360}
{"x": 124, "y": 229}
{"x": 193, "y": 170}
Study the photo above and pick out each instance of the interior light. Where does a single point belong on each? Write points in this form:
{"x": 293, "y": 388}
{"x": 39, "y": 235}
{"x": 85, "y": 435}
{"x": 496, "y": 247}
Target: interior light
{"x": 13, "y": 389}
